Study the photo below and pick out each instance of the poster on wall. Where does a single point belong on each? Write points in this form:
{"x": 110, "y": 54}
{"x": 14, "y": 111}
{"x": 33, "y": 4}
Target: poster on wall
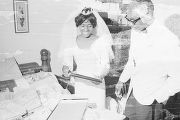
{"x": 21, "y": 19}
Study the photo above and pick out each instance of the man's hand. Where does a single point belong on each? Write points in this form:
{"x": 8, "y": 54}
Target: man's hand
{"x": 118, "y": 89}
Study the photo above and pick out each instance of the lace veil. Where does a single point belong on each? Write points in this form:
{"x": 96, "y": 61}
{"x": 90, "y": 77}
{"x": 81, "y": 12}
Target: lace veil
{"x": 69, "y": 33}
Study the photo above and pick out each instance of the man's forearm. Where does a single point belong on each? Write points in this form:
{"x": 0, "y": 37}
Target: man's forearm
{"x": 127, "y": 72}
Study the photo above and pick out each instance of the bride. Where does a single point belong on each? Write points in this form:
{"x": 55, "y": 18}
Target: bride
{"x": 89, "y": 46}
{"x": 91, "y": 51}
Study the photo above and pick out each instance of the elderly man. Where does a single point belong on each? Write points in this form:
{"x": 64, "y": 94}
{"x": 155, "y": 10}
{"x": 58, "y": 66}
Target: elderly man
{"x": 153, "y": 65}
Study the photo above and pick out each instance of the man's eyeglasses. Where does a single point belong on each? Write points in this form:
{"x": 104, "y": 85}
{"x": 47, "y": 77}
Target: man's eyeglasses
{"x": 132, "y": 20}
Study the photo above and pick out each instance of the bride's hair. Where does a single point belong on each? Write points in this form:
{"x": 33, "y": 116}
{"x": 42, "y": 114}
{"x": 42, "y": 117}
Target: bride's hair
{"x": 86, "y": 14}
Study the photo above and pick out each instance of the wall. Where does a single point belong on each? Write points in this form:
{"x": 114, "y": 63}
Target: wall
{"x": 46, "y": 18}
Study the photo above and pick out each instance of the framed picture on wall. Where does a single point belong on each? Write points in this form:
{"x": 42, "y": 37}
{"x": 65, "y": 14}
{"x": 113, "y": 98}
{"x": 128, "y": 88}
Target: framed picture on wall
{"x": 21, "y": 18}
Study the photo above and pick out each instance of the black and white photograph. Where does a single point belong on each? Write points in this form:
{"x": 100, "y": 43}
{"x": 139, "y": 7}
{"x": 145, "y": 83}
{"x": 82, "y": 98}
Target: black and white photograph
{"x": 90, "y": 60}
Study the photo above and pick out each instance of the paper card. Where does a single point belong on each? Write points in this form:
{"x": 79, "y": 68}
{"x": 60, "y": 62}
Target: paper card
{"x": 72, "y": 97}
{"x": 28, "y": 98}
{"x": 9, "y": 69}
{"x": 9, "y": 110}
{"x": 69, "y": 110}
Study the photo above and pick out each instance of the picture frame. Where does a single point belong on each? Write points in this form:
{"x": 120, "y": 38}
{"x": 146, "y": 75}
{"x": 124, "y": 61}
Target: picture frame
{"x": 21, "y": 18}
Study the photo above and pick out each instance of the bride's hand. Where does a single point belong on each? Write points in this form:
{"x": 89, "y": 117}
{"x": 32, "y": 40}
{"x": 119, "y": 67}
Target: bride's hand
{"x": 97, "y": 83}
{"x": 65, "y": 71}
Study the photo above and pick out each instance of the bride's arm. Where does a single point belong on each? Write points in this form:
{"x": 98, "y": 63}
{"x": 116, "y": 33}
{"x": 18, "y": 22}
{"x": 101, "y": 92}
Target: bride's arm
{"x": 67, "y": 62}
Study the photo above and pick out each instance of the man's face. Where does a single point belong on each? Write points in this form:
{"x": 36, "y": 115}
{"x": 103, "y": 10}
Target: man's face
{"x": 131, "y": 14}
{"x": 138, "y": 15}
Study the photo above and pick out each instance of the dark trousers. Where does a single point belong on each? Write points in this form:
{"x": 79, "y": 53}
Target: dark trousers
{"x": 136, "y": 111}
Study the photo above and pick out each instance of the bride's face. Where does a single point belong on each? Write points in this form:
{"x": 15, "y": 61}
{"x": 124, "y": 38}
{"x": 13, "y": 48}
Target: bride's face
{"x": 86, "y": 29}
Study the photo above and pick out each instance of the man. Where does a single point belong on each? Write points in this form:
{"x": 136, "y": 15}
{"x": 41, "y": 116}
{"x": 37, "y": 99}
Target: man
{"x": 153, "y": 64}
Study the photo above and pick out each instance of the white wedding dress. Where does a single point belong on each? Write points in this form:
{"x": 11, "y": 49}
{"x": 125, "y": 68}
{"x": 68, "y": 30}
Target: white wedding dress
{"x": 90, "y": 62}
{"x": 94, "y": 63}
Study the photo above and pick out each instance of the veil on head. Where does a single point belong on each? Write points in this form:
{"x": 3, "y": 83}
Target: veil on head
{"x": 69, "y": 32}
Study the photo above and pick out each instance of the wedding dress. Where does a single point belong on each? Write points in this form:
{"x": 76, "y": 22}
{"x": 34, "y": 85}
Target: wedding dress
{"x": 91, "y": 62}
